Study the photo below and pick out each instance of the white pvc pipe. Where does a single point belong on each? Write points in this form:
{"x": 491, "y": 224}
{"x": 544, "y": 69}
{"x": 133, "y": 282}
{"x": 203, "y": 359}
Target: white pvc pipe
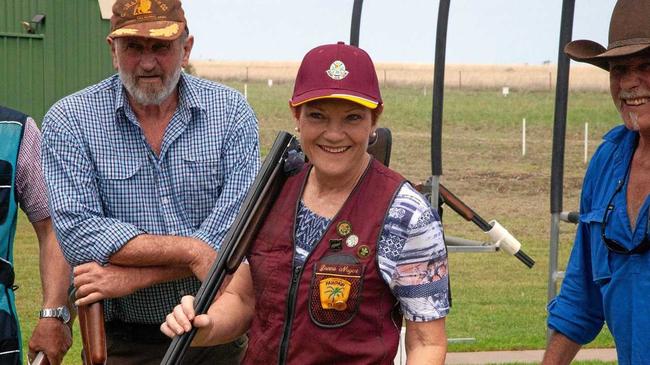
{"x": 504, "y": 239}
{"x": 523, "y": 137}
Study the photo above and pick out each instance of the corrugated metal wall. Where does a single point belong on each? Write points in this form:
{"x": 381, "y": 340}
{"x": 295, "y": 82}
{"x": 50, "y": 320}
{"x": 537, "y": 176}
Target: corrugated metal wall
{"x": 64, "y": 54}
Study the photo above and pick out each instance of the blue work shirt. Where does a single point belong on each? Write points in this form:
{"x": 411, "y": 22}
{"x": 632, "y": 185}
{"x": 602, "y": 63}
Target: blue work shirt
{"x": 106, "y": 185}
{"x": 601, "y": 285}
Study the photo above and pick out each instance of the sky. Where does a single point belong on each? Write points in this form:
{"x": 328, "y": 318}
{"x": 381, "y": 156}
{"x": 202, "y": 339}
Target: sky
{"x": 479, "y": 31}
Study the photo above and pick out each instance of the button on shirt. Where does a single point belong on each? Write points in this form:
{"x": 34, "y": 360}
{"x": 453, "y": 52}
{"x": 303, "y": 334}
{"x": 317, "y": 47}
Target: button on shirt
{"x": 106, "y": 184}
{"x": 601, "y": 285}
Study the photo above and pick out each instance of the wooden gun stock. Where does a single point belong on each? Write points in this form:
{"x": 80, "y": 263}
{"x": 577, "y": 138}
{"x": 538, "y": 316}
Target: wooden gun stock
{"x": 455, "y": 203}
{"x": 93, "y": 335}
{"x": 457, "y": 206}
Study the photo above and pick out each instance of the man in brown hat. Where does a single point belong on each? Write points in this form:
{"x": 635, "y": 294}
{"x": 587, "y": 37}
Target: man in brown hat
{"x": 146, "y": 170}
{"x": 608, "y": 276}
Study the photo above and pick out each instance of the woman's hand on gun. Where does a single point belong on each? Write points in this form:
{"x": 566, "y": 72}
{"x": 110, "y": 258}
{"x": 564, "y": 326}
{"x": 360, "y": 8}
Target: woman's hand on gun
{"x": 183, "y": 317}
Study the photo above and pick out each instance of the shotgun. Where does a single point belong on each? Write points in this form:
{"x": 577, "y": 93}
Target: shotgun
{"x": 380, "y": 146}
{"x": 498, "y": 234}
{"x": 504, "y": 239}
{"x": 283, "y": 160}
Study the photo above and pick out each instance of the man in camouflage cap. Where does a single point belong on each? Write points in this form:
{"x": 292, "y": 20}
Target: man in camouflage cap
{"x": 146, "y": 171}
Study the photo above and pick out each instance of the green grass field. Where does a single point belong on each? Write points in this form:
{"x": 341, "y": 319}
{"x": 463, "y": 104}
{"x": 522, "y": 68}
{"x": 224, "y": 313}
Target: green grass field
{"x": 496, "y": 299}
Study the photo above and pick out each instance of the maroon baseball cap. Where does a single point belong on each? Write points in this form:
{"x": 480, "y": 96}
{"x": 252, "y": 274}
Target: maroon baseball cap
{"x": 337, "y": 71}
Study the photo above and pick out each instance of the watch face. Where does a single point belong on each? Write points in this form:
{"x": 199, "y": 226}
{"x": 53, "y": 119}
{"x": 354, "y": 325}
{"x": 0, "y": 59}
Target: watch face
{"x": 65, "y": 315}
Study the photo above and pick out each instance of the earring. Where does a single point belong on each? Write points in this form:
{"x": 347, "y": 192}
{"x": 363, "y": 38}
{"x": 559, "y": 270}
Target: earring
{"x": 296, "y": 129}
{"x": 374, "y": 134}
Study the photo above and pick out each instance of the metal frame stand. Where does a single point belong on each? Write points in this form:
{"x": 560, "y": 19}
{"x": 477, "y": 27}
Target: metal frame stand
{"x": 454, "y": 244}
{"x": 557, "y": 164}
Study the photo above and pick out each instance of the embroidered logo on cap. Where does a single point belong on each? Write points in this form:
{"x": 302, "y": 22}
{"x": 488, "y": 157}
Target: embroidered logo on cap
{"x": 337, "y": 70}
{"x": 143, "y": 7}
{"x": 123, "y": 31}
{"x": 164, "y": 32}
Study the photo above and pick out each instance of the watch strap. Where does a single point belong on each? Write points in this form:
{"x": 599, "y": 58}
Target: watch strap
{"x": 61, "y": 313}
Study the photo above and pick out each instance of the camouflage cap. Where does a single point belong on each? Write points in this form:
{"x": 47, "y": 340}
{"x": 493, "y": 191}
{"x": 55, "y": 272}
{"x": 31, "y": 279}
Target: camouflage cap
{"x": 158, "y": 19}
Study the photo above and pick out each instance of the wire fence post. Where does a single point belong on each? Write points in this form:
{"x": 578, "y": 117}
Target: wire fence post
{"x": 523, "y": 137}
{"x": 586, "y": 142}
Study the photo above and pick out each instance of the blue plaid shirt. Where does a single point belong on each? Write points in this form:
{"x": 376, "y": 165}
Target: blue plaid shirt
{"x": 106, "y": 185}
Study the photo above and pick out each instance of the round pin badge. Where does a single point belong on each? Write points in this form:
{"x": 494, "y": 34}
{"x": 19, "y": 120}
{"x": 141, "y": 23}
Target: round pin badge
{"x": 343, "y": 228}
{"x": 363, "y": 251}
{"x": 352, "y": 240}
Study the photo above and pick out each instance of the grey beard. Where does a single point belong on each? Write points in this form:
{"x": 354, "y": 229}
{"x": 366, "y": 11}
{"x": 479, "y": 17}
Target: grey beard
{"x": 144, "y": 97}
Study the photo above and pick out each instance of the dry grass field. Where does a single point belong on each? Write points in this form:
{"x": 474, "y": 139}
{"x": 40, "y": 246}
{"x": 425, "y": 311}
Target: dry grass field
{"x": 469, "y": 77}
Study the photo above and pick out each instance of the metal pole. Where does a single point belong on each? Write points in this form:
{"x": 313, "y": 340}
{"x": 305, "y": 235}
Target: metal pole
{"x": 559, "y": 136}
{"x": 356, "y": 22}
{"x": 438, "y": 96}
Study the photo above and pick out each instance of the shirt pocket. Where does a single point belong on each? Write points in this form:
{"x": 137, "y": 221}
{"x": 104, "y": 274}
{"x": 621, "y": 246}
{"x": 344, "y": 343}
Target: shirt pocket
{"x": 201, "y": 184}
{"x": 599, "y": 253}
{"x": 6, "y": 172}
{"x": 121, "y": 183}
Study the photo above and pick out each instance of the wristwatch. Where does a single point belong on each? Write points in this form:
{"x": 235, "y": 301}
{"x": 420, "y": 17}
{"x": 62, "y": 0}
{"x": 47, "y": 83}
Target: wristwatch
{"x": 61, "y": 313}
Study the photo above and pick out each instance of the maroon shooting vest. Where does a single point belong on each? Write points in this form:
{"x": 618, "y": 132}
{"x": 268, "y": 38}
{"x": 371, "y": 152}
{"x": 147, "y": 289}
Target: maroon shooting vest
{"x": 290, "y": 325}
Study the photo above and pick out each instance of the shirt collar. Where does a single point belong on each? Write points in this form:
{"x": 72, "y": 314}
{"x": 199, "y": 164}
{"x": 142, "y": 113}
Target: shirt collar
{"x": 625, "y": 141}
{"x": 188, "y": 94}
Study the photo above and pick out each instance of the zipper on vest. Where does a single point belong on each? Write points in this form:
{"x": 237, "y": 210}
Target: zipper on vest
{"x": 291, "y": 303}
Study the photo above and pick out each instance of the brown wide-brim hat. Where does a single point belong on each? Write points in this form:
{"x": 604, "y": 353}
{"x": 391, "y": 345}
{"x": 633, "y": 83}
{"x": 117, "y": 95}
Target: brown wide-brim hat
{"x": 157, "y": 19}
{"x": 629, "y": 34}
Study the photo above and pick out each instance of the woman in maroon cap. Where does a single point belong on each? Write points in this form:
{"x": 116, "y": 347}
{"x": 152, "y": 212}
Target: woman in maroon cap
{"x": 348, "y": 250}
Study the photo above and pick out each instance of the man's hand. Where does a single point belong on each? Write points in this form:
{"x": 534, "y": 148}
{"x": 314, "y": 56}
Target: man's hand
{"x": 95, "y": 282}
{"x": 202, "y": 260}
{"x": 52, "y": 337}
